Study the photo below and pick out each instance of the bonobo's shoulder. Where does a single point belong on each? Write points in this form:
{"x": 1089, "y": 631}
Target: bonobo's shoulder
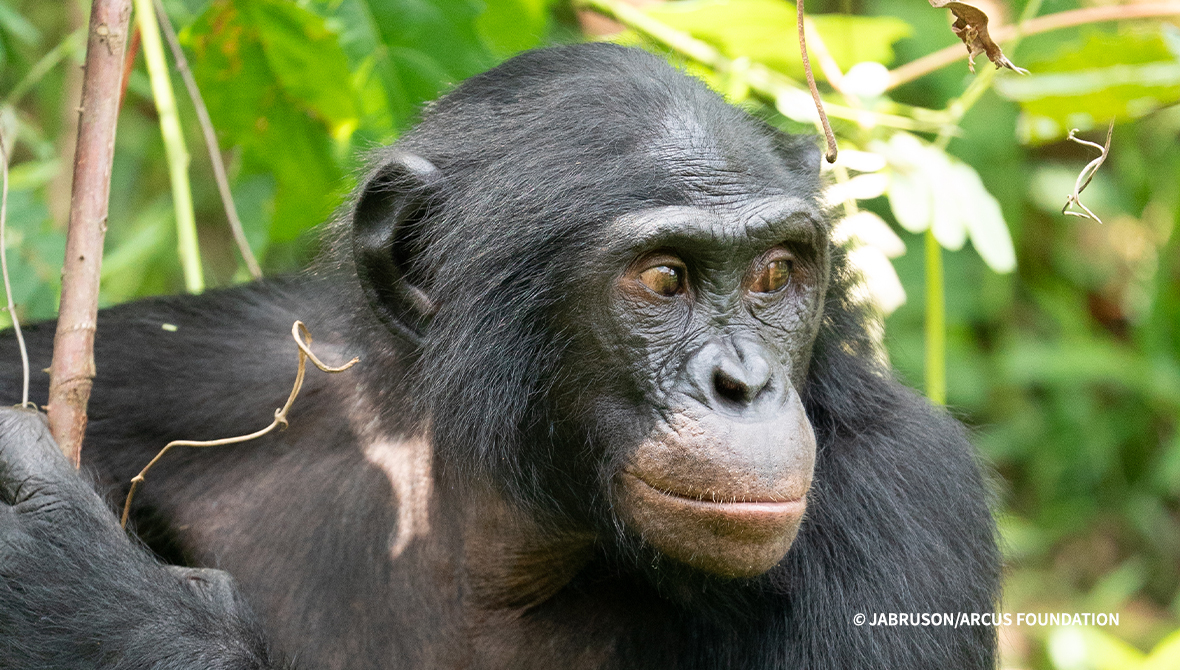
{"x": 248, "y": 304}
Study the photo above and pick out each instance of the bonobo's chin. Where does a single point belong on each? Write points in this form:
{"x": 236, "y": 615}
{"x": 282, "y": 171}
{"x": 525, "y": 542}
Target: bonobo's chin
{"x": 721, "y": 496}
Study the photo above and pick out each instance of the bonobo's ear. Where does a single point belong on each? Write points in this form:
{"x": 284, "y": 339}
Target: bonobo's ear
{"x": 385, "y": 239}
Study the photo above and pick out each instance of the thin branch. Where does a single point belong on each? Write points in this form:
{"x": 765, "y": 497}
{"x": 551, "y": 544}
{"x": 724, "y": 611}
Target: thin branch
{"x": 72, "y": 370}
{"x": 1087, "y": 175}
{"x": 20, "y": 338}
{"x": 819, "y": 104}
{"x": 129, "y": 62}
{"x": 174, "y": 146}
{"x": 827, "y": 64}
{"x": 194, "y": 93}
{"x": 280, "y": 420}
{"x": 1043, "y": 24}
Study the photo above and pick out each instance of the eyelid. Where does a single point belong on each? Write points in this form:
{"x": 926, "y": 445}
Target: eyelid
{"x": 762, "y": 265}
{"x": 657, "y": 259}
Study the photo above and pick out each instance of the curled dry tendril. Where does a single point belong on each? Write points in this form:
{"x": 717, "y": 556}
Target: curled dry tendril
{"x": 1086, "y": 175}
{"x": 298, "y": 332}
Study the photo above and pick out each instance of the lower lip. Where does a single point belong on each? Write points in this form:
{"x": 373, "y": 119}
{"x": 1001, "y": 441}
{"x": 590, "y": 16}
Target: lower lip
{"x": 741, "y": 511}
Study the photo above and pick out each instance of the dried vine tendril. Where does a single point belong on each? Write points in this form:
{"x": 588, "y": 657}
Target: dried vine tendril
{"x": 298, "y": 332}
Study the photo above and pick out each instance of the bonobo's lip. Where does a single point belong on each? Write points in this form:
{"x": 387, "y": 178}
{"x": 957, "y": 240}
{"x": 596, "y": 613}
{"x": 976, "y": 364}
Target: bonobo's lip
{"x": 757, "y": 511}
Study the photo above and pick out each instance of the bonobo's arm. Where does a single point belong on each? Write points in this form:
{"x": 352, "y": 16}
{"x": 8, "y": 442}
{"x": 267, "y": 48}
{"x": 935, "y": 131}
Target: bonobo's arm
{"x": 76, "y": 592}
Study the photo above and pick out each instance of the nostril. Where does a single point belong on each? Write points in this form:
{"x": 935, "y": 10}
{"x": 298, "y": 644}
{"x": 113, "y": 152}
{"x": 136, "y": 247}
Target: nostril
{"x": 729, "y": 388}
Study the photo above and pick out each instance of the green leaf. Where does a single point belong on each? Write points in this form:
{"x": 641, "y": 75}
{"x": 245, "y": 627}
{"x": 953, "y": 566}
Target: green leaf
{"x": 262, "y": 101}
{"x": 409, "y": 51}
{"x": 305, "y": 57}
{"x": 431, "y": 43}
{"x": 1098, "y": 77}
{"x": 765, "y": 31}
{"x": 511, "y": 26}
{"x": 930, "y": 189}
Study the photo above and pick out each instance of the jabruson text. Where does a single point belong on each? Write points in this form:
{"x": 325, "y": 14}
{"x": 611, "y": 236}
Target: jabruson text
{"x": 957, "y": 619}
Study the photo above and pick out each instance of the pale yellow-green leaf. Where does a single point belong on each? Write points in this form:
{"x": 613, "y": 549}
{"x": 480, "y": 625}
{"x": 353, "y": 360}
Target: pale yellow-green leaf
{"x": 1166, "y": 655}
{"x": 1095, "y": 78}
{"x": 765, "y": 31}
{"x": 949, "y": 221}
{"x": 984, "y": 221}
{"x": 909, "y": 193}
{"x": 1084, "y": 648}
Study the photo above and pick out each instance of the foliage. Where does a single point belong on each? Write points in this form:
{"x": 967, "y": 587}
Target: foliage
{"x": 1063, "y": 335}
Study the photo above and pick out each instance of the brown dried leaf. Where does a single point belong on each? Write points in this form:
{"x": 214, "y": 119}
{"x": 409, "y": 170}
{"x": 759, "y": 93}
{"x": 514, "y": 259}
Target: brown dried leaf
{"x": 971, "y": 27}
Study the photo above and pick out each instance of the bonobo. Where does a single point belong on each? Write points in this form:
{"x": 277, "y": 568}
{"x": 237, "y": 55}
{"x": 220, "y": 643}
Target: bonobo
{"x": 615, "y": 409}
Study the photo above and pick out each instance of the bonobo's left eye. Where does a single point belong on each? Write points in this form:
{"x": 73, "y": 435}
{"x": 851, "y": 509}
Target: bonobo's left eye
{"x": 662, "y": 274}
{"x": 773, "y": 272}
{"x": 663, "y": 279}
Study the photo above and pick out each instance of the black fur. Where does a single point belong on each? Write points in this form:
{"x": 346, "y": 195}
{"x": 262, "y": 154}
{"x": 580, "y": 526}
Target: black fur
{"x": 534, "y": 159}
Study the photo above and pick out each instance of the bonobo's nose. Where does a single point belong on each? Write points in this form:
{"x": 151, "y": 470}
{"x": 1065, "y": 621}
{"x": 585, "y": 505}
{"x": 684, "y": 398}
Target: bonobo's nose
{"x": 732, "y": 373}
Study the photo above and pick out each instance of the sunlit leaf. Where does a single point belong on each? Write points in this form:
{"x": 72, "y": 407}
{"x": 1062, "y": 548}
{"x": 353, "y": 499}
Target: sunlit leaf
{"x": 509, "y": 26}
{"x": 879, "y": 279}
{"x": 984, "y": 221}
{"x": 865, "y": 227}
{"x": 909, "y": 192}
{"x": 1098, "y": 77}
{"x": 764, "y": 30}
{"x": 1084, "y": 648}
{"x": 930, "y": 189}
{"x": 1165, "y": 655}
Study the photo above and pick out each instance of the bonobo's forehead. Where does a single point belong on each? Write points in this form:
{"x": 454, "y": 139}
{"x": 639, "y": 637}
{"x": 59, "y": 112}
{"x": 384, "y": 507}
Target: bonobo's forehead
{"x": 719, "y": 155}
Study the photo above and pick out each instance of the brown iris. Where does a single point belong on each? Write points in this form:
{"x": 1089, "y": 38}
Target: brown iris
{"x": 773, "y": 276}
{"x": 666, "y": 280}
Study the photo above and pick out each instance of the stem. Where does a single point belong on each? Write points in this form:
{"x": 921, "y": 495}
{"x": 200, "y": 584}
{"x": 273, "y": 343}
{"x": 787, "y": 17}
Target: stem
{"x": 20, "y": 338}
{"x": 194, "y": 93}
{"x": 72, "y": 371}
{"x": 935, "y": 322}
{"x": 174, "y": 147}
{"x": 940, "y": 59}
{"x": 935, "y": 290}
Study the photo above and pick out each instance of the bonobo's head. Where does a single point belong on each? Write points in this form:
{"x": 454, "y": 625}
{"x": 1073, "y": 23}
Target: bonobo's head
{"x": 611, "y": 281}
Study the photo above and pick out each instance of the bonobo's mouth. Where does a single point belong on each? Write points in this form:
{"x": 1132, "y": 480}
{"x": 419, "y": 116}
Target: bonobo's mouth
{"x": 769, "y": 509}
{"x": 738, "y": 536}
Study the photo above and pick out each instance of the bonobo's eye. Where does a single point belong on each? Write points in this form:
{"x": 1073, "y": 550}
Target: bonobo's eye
{"x": 663, "y": 279}
{"x": 773, "y": 272}
{"x": 661, "y": 273}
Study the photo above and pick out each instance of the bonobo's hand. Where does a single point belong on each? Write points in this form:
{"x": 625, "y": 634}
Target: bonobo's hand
{"x": 76, "y": 592}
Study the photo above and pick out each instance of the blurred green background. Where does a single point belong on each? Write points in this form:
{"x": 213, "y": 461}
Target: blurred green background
{"x": 1067, "y": 367}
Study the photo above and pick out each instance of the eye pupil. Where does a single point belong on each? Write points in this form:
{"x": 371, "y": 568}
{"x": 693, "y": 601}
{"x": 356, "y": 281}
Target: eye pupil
{"x": 774, "y": 276}
{"x": 663, "y": 279}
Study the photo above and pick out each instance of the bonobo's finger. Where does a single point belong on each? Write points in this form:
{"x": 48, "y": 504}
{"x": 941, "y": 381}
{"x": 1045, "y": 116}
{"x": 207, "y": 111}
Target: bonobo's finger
{"x": 215, "y": 586}
{"x": 28, "y": 455}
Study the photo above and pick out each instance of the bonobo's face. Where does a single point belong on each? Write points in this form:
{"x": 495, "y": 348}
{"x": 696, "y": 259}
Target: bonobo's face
{"x": 713, "y": 311}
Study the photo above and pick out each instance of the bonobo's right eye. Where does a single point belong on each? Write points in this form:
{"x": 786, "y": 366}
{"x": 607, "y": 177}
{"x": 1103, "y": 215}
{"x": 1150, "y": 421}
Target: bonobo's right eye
{"x": 666, "y": 280}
